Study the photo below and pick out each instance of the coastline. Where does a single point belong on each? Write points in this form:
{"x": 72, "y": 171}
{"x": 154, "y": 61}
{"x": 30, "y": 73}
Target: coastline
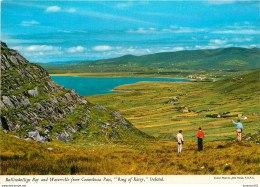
{"x": 114, "y": 75}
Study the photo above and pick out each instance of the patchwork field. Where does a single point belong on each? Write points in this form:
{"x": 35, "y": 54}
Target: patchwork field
{"x": 161, "y": 109}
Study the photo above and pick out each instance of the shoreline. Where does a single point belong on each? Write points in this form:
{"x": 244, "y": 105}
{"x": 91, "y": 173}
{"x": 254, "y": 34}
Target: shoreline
{"x": 111, "y": 76}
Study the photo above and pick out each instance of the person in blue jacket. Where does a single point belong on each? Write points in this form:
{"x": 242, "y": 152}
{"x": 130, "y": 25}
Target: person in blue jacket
{"x": 239, "y": 129}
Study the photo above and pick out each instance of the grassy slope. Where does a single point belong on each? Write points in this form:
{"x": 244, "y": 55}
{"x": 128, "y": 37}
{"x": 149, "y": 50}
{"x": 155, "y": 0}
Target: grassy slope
{"x": 151, "y": 158}
{"x": 146, "y": 106}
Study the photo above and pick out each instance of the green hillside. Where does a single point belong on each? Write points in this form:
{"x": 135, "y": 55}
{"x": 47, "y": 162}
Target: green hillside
{"x": 244, "y": 84}
{"x": 217, "y": 59}
{"x": 151, "y": 106}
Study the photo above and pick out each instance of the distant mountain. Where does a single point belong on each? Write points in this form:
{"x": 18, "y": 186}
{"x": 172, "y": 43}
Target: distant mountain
{"x": 234, "y": 58}
{"x": 33, "y": 106}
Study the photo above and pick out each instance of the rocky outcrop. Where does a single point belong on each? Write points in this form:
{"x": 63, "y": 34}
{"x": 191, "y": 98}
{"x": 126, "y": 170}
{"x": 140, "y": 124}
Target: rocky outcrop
{"x": 35, "y": 107}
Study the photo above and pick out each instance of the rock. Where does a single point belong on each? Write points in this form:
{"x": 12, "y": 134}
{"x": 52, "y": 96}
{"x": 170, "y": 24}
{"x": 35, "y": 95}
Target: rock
{"x": 17, "y": 126}
{"x": 98, "y": 107}
{"x": 25, "y": 102}
{"x": 68, "y": 96}
{"x": 5, "y": 131}
{"x": 36, "y": 136}
{"x": 27, "y": 139}
{"x": 2, "y": 105}
{"x": 14, "y": 61}
{"x": 6, "y": 100}
{"x": 18, "y": 137}
{"x": 63, "y": 136}
{"x": 71, "y": 129}
{"x": 117, "y": 115}
{"x": 34, "y": 92}
{"x": 5, "y": 63}
{"x": 7, "y": 124}
{"x": 54, "y": 100}
{"x": 49, "y": 148}
{"x": 83, "y": 132}
{"x": 39, "y": 129}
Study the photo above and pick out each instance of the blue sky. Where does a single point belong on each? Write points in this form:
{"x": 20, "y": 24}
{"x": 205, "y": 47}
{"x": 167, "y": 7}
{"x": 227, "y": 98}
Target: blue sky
{"x": 50, "y": 31}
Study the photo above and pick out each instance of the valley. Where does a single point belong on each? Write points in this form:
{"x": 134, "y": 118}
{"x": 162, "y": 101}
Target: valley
{"x": 162, "y": 109}
{"x": 47, "y": 129}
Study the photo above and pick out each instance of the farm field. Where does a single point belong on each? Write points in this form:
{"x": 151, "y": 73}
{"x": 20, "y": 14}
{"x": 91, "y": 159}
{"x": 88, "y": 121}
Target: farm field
{"x": 162, "y": 109}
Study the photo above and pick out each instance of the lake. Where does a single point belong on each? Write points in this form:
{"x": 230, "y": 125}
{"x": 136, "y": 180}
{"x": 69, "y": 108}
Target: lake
{"x": 87, "y": 86}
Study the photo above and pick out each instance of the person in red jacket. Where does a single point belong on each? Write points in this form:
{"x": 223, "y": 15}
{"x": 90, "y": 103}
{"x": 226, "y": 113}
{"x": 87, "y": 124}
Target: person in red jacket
{"x": 200, "y": 139}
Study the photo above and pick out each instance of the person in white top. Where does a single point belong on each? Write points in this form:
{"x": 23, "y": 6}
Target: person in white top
{"x": 180, "y": 141}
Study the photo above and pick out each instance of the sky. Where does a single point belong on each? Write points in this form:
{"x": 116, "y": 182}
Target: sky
{"x": 55, "y": 31}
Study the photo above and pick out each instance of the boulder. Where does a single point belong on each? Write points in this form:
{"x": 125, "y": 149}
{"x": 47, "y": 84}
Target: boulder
{"x": 6, "y": 100}
{"x": 36, "y": 136}
{"x": 34, "y": 92}
{"x": 68, "y": 96}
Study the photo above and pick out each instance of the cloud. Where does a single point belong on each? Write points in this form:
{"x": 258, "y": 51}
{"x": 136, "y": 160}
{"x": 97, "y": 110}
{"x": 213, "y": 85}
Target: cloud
{"x": 29, "y": 23}
{"x": 178, "y": 49}
{"x": 102, "y": 48}
{"x": 241, "y": 39}
{"x": 64, "y": 31}
{"x": 218, "y": 41}
{"x": 53, "y": 9}
{"x": 172, "y": 29}
{"x": 124, "y": 5}
{"x": 76, "y": 49}
{"x": 38, "y": 50}
{"x": 71, "y": 10}
{"x": 143, "y": 31}
{"x": 245, "y": 31}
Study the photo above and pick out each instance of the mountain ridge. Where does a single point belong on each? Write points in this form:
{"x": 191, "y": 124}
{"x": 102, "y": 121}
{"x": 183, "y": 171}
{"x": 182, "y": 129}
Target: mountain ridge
{"x": 235, "y": 58}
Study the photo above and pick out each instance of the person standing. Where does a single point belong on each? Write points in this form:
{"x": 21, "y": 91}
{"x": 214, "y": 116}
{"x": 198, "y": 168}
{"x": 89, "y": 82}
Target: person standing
{"x": 200, "y": 139}
{"x": 239, "y": 129}
{"x": 180, "y": 141}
